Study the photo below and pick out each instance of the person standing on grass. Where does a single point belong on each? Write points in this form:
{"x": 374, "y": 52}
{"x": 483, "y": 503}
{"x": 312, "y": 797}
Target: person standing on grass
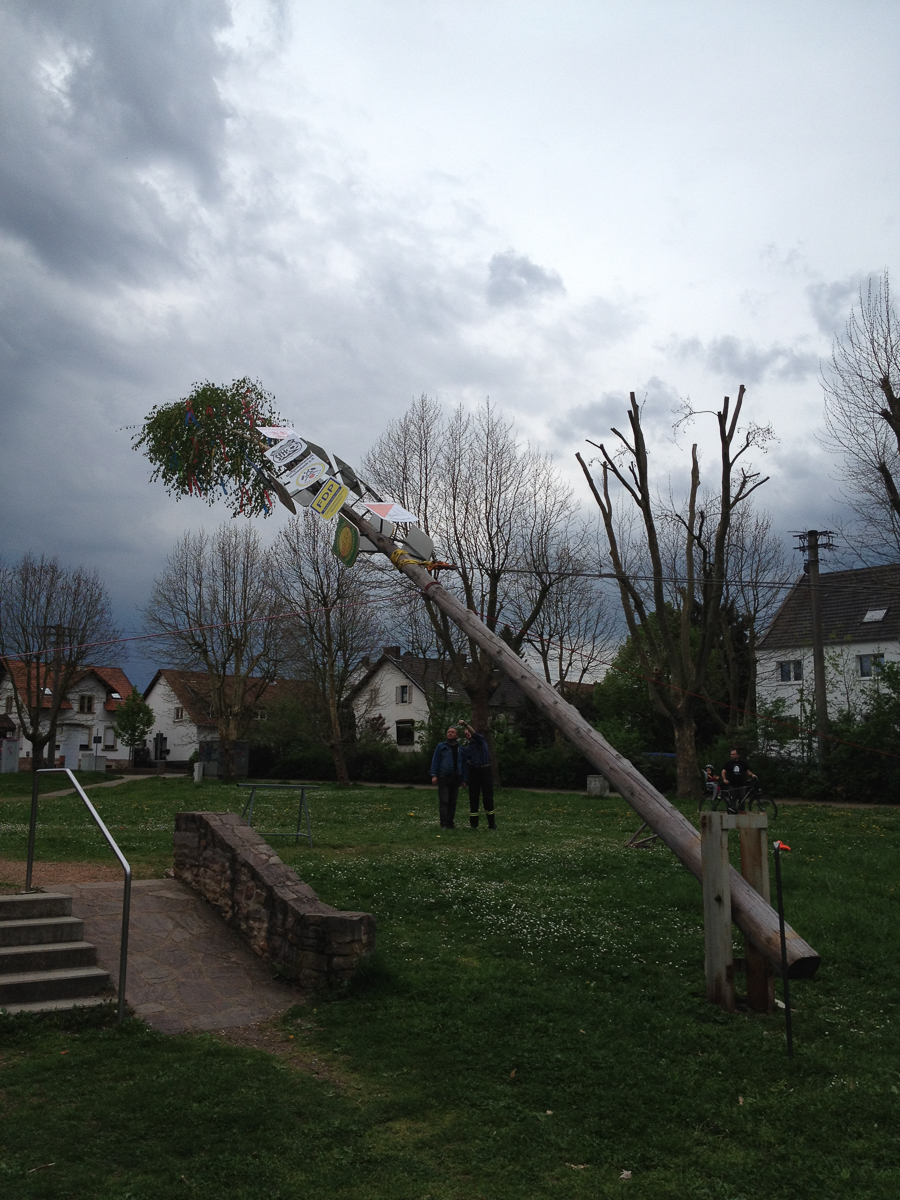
{"x": 448, "y": 771}
{"x": 477, "y": 757}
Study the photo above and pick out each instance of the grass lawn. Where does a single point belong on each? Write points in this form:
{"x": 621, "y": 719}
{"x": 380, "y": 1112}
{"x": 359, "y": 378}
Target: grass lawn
{"x": 533, "y": 1024}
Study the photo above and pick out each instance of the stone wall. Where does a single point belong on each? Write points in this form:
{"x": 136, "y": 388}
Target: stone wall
{"x": 261, "y": 897}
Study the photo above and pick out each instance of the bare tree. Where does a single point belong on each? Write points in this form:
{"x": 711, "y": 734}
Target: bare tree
{"x": 497, "y": 509}
{"x": 335, "y": 623}
{"x": 862, "y": 417}
{"x": 674, "y": 615}
{"x": 217, "y": 607}
{"x": 576, "y": 631}
{"x": 51, "y": 621}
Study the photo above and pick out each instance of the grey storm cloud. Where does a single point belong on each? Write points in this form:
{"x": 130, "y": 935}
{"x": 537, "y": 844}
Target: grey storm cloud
{"x": 830, "y": 303}
{"x": 110, "y": 111}
{"x": 659, "y": 400}
{"x": 515, "y": 279}
{"x": 741, "y": 361}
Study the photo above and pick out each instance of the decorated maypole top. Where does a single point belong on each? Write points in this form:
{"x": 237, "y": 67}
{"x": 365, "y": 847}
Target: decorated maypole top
{"x": 230, "y": 443}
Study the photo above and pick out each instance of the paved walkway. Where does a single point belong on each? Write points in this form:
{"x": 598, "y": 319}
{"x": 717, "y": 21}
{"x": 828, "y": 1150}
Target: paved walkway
{"x": 186, "y": 969}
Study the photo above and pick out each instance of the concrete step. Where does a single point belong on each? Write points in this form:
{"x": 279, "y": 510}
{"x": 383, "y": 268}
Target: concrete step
{"x": 42, "y": 1006}
{"x": 51, "y": 956}
{"x": 24, "y": 986}
{"x": 41, "y": 930}
{"x": 30, "y": 905}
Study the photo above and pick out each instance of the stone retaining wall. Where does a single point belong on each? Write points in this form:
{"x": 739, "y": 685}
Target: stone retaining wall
{"x": 261, "y": 897}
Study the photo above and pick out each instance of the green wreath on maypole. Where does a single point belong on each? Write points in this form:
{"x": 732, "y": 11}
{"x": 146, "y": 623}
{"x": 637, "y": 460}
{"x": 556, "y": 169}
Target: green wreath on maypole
{"x": 209, "y": 444}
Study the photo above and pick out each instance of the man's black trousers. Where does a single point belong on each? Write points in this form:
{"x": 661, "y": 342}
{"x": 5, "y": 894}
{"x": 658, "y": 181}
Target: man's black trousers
{"x": 448, "y": 790}
{"x": 481, "y": 784}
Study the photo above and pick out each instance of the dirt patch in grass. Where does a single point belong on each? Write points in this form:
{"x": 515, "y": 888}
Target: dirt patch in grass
{"x": 287, "y": 1041}
{"x": 49, "y": 874}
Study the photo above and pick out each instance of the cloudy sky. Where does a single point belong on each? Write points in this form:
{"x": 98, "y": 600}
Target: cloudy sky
{"x": 548, "y": 204}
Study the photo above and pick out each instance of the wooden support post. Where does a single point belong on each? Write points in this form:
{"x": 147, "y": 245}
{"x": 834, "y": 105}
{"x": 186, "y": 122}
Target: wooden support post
{"x": 714, "y": 828}
{"x": 755, "y": 869}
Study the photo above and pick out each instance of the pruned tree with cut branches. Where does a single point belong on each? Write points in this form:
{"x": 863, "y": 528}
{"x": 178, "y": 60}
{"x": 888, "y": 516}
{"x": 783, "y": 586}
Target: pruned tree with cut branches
{"x": 215, "y": 607}
{"x": 674, "y": 613}
{"x": 53, "y": 620}
{"x": 862, "y": 418}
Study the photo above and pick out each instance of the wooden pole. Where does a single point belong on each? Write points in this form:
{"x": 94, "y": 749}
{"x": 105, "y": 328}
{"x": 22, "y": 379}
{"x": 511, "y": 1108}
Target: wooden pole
{"x": 719, "y": 958}
{"x": 755, "y": 869}
{"x": 751, "y": 912}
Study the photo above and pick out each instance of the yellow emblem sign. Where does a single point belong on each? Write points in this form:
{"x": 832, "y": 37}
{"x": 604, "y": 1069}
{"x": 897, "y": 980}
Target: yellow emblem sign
{"x": 329, "y": 499}
{"x": 346, "y": 542}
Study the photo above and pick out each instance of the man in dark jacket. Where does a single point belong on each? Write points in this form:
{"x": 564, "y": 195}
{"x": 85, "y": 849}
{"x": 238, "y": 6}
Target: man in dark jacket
{"x": 448, "y": 771}
{"x": 477, "y": 757}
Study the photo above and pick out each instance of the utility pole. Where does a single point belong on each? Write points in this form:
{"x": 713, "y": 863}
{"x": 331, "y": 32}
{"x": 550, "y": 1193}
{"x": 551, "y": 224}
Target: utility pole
{"x": 810, "y": 543}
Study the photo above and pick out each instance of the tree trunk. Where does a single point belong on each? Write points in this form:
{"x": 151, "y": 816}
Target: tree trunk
{"x": 340, "y": 765}
{"x": 686, "y": 757}
{"x": 226, "y": 749}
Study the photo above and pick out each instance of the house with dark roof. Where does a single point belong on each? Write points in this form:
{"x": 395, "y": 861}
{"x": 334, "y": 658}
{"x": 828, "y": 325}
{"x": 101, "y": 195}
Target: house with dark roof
{"x": 181, "y": 706}
{"x": 399, "y": 689}
{"x": 861, "y": 628}
{"x": 86, "y": 721}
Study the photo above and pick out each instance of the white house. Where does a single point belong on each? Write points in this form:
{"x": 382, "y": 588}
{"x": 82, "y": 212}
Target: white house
{"x": 398, "y": 687}
{"x": 180, "y": 703}
{"x": 861, "y": 627}
{"x": 86, "y": 721}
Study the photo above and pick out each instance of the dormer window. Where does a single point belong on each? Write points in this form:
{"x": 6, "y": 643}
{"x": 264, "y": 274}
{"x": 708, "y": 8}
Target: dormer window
{"x": 116, "y": 696}
{"x": 875, "y": 614}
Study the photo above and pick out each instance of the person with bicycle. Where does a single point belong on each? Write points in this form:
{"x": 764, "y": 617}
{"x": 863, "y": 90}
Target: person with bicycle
{"x": 737, "y": 779}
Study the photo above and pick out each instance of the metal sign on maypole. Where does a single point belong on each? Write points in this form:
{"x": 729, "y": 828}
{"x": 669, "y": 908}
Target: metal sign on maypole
{"x": 273, "y": 460}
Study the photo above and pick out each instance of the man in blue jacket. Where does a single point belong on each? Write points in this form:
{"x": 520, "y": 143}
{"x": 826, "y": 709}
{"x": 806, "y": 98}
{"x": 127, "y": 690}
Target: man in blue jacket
{"x": 448, "y": 771}
{"x": 480, "y": 776}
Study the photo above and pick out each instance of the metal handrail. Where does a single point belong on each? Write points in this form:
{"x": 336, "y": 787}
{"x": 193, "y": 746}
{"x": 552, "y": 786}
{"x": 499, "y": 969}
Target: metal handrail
{"x": 126, "y": 897}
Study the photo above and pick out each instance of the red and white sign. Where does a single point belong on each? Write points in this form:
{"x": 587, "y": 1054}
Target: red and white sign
{"x": 390, "y": 511}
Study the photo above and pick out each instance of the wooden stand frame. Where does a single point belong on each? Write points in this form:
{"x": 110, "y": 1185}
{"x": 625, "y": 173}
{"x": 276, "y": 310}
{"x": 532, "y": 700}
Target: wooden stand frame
{"x": 714, "y": 830}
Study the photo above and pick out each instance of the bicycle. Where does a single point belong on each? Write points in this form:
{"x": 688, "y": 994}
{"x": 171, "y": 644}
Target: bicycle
{"x": 748, "y": 798}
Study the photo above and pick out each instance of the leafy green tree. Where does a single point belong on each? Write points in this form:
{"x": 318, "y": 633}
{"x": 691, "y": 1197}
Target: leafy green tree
{"x": 134, "y": 720}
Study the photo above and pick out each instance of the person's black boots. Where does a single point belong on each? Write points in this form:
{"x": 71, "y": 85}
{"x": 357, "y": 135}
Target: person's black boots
{"x": 492, "y": 824}
{"x": 473, "y": 822}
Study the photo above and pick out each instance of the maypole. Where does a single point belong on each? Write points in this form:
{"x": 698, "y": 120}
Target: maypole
{"x": 248, "y": 446}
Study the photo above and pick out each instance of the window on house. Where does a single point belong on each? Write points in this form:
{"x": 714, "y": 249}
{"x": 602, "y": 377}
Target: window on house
{"x": 85, "y": 704}
{"x": 406, "y": 733}
{"x": 403, "y": 694}
{"x": 109, "y": 738}
{"x": 9, "y": 704}
{"x": 870, "y": 664}
{"x": 179, "y": 714}
{"x": 791, "y": 671}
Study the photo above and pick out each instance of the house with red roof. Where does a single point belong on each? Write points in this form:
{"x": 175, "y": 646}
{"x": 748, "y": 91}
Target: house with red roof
{"x": 86, "y": 722}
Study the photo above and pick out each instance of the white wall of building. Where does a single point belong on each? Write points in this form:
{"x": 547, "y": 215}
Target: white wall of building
{"x": 182, "y": 736}
{"x": 847, "y": 688}
{"x": 382, "y": 696}
{"x": 76, "y": 727}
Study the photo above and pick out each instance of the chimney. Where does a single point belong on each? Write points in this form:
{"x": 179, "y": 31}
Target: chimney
{"x": 390, "y": 651}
